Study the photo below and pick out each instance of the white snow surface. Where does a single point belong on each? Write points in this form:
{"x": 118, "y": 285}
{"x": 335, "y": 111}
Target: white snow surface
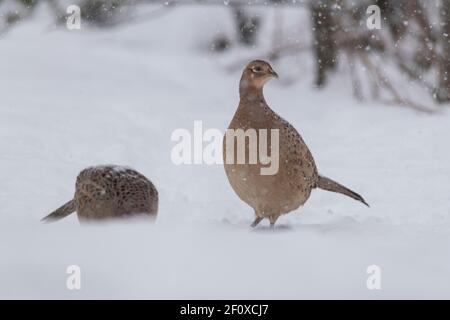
{"x": 73, "y": 99}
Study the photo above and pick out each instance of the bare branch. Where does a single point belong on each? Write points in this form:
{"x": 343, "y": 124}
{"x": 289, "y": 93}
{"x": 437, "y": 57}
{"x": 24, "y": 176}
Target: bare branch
{"x": 384, "y": 82}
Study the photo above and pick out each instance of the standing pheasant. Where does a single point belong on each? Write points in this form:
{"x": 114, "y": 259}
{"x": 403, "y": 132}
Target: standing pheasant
{"x": 106, "y": 192}
{"x": 290, "y": 187}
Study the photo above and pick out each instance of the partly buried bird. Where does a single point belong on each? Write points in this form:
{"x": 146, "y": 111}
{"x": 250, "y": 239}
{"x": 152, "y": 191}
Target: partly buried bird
{"x": 108, "y": 192}
{"x": 270, "y": 194}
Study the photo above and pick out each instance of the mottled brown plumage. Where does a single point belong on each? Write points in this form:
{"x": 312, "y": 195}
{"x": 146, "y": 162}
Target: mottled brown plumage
{"x": 273, "y": 195}
{"x": 107, "y": 192}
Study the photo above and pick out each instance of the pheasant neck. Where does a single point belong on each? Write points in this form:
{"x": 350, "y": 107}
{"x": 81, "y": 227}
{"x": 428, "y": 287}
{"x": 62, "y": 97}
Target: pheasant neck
{"x": 251, "y": 94}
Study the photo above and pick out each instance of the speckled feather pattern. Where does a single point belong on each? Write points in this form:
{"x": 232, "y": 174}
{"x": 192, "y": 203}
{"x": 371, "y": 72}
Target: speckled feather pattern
{"x": 112, "y": 191}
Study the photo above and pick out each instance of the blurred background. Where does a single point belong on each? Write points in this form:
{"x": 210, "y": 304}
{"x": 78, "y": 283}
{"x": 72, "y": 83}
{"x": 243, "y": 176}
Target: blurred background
{"x": 413, "y": 43}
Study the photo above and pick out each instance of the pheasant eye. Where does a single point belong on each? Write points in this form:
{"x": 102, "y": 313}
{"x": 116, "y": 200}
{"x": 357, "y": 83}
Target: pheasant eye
{"x": 256, "y": 69}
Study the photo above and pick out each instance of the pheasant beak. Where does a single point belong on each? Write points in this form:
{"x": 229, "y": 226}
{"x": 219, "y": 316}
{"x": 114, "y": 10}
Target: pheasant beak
{"x": 273, "y": 74}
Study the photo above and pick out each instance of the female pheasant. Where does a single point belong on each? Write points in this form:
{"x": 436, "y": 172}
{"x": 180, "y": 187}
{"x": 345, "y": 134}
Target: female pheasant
{"x": 106, "y": 192}
{"x": 290, "y": 187}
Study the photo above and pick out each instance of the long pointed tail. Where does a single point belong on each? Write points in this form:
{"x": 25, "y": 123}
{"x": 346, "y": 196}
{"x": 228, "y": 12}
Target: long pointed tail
{"x": 61, "y": 212}
{"x": 330, "y": 185}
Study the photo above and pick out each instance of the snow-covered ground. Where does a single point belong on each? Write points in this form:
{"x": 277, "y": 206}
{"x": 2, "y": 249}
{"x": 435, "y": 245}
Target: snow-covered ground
{"x": 71, "y": 99}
